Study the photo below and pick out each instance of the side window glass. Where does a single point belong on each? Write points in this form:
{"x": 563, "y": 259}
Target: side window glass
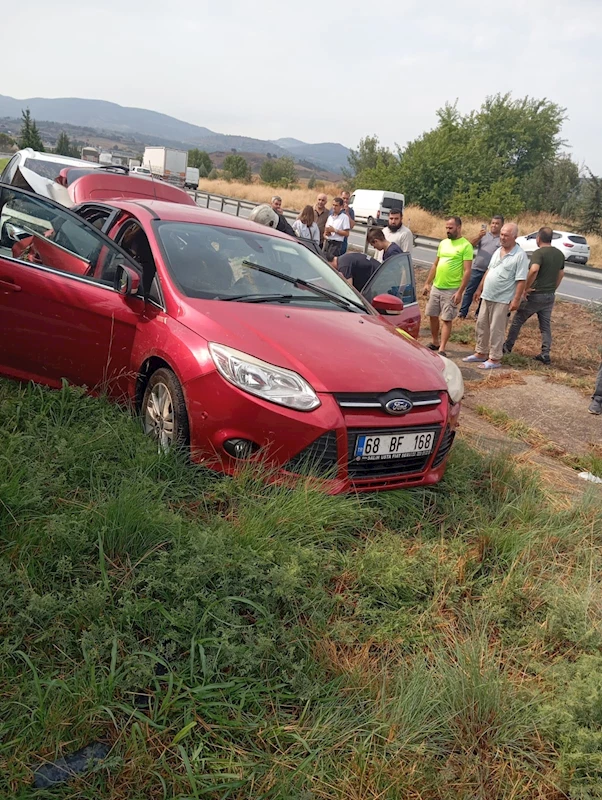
{"x": 556, "y": 235}
{"x": 394, "y": 277}
{"x": 35, "y": 231}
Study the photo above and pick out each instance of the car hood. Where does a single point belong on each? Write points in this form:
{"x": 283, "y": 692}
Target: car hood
{"x": 336, "y": 351}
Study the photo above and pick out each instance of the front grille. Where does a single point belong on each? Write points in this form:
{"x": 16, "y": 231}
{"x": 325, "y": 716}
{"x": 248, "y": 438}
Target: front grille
{"x": 319, "y": 457}
{"x": 383, "y": 469}
{"x": 444, "y": 447}
{"x": 374, "y": 400}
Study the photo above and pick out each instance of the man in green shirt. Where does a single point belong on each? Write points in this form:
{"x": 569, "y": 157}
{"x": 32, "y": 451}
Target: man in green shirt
{"x": 446, "y": 282}
{"x": 545, "y": 273}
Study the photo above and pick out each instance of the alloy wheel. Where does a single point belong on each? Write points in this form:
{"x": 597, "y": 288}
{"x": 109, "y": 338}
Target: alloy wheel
{"x": 159, "y": 416}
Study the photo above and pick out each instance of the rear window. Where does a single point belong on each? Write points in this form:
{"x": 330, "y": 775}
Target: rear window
{"x": 391, "y": 202}
{"x": 578, "y": 239}
{"x": 47, "y": 169}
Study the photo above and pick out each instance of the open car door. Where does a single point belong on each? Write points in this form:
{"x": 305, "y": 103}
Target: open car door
{"x": 396, "y": 277}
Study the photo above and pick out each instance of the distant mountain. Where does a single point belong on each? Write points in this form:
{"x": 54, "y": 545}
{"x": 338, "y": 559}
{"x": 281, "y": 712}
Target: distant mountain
{"x": 327, "y": 154}
{"x": 154, "y": 127}
{"x": 287, "y": 144}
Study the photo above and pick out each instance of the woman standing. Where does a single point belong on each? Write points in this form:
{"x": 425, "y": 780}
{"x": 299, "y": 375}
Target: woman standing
{"x": 305, "y": 225}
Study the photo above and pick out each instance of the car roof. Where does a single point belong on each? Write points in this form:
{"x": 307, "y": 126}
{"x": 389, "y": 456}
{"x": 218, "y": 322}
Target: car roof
{"x": 29, "y": 152}
{"x": 176, "y": 212}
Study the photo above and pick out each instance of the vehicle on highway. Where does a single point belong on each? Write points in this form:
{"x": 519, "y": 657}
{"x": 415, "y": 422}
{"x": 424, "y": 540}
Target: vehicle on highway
{"x": 372, "y": 206}
{"x": 229, "y": 339}
{"x": 166, "y": 164}
{"x": 37, "y": 172}
{"x": 139, "y": 170}
{"x": 573, "y": 245}
{"x": 193, "y": 175}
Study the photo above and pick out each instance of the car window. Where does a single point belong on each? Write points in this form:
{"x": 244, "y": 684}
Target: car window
{"x": 9, "y": 170}
{"x": 556, "y": 235}
{"x": 394, "y": 277}
{"x": 47, "y": 169}
{"x": 577, "y": 239}
{"x": 34, "y": 230}
{"x": 532, "y": 235}
{"x": 392, "y": 202}
{"x": 208, "y": 262}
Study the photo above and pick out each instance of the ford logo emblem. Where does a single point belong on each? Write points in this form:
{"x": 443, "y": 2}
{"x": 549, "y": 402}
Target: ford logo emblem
{"x": 400, "y": 405}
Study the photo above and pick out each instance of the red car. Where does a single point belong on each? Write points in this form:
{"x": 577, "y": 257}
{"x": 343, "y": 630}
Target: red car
{"x": 227, "y": 337}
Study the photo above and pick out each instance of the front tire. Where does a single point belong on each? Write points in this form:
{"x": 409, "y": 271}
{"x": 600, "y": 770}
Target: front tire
{"x": 163, "y": 411}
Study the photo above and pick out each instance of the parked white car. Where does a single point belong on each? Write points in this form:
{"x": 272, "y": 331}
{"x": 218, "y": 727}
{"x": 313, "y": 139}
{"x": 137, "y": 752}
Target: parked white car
{"x": 573, "y": 245}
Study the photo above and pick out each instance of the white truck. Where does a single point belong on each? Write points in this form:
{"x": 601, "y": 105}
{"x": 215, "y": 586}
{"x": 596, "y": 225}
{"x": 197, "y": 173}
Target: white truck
{"x": 166, "y": 164}
{"x": 192, "y": 178}
{"x": 372, "y": 206}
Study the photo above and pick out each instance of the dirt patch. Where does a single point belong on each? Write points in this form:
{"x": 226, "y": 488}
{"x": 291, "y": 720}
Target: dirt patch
{"x": 558, "y": 412}
{"x": 562, "y": 482}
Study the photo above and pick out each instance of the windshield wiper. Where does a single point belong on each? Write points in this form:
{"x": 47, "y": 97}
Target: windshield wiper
{"x": 258, "y": 298}
{"x": 349, "y": 305}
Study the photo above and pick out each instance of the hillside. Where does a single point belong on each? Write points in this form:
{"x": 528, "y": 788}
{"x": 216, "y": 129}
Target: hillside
{"x": 152, "y": 127}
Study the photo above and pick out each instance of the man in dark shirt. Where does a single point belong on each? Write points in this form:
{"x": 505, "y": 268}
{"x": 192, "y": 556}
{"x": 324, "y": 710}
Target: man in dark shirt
{"x": 356, "y": 268}
{"x": 545, "y": 273}
{"x": 378, "y": 241}
{"x": 322, "y": 213}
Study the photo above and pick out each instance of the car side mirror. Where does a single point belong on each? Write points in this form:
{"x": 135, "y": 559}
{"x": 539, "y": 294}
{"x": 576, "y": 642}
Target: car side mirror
{"x": 387, "y": 304}
{"x": 127, "y": 281}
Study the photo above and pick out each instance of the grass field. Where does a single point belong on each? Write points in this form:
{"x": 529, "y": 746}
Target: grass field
{"x": 232, "y": 640}
{"x": 419, "y": 220}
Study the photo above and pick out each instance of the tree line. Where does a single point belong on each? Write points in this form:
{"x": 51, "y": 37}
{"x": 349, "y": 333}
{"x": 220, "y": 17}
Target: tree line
{"x": 506, "y": 157}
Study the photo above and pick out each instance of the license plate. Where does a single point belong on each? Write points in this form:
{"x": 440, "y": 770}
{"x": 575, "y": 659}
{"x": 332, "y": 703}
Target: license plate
{"x": 381, "y": 447}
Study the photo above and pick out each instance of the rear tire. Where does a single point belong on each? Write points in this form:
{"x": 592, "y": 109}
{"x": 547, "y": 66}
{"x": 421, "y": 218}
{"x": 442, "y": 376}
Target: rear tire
{"x": 163, "y": 411}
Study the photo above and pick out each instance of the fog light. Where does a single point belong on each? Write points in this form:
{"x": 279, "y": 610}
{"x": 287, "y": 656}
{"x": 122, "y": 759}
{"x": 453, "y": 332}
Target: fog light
{"x": 240, "y": 448}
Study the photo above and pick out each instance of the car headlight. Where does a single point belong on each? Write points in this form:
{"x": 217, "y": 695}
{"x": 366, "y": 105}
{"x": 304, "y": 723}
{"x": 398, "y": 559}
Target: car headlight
{"x": 453, "y": 378}
{"x": 257, "y": 377}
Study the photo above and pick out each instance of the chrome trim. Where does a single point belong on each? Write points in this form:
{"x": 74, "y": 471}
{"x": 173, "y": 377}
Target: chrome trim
{"x": 360, "y": 405}
{"x": 378, "y": 405}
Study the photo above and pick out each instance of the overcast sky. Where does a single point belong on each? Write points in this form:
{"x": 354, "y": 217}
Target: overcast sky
{"x": 317, "y": 71}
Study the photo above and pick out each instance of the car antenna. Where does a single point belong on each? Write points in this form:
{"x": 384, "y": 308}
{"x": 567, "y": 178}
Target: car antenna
{"x": 153, "y": 180}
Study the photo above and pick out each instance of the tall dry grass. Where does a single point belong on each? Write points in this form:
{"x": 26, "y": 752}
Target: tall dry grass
{"x": 419, "y": 220}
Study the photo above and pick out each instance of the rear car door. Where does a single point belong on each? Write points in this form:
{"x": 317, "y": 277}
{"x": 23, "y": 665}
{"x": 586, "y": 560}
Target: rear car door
{"x": 57, "y": 319}
{"x": 396, "y": 277}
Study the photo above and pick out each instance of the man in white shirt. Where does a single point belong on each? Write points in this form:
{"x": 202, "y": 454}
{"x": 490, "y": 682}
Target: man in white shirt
{"x": 337, "y": 229}
{"x": 398, "y": 233}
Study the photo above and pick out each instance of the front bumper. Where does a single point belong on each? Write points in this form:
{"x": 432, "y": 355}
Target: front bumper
{"x": 320, "y": 442}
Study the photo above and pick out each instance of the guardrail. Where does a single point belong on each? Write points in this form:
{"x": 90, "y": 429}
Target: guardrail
{"x": 233, "y": 205}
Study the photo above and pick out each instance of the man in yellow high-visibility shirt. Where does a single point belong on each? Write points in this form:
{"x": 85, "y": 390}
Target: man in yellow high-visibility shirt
{"x": 446, "y": 282}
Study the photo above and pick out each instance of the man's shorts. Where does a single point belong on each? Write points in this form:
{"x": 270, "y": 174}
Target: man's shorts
{"x": 440, "y": 304}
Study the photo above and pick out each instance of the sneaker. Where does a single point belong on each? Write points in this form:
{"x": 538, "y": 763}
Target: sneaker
{"x": 595, "y": 407}
{"x": 542, "y": 359}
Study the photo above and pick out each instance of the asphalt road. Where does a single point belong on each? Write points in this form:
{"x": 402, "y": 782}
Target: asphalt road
{"x": 575, "y": 289}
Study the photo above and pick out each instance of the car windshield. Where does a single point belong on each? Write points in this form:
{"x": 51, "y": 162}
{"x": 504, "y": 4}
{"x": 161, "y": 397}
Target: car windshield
{"x": 208, "y": 262}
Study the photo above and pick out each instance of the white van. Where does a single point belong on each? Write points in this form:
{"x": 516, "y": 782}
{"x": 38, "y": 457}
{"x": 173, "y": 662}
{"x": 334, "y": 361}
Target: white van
{"x": 372, "y": 206}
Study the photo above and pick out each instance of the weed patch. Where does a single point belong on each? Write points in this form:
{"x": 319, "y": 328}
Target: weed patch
{"x": 227, "y": 638}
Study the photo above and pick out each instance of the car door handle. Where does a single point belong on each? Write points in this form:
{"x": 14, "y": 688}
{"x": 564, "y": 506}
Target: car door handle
{"x": 8, "y": 285}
